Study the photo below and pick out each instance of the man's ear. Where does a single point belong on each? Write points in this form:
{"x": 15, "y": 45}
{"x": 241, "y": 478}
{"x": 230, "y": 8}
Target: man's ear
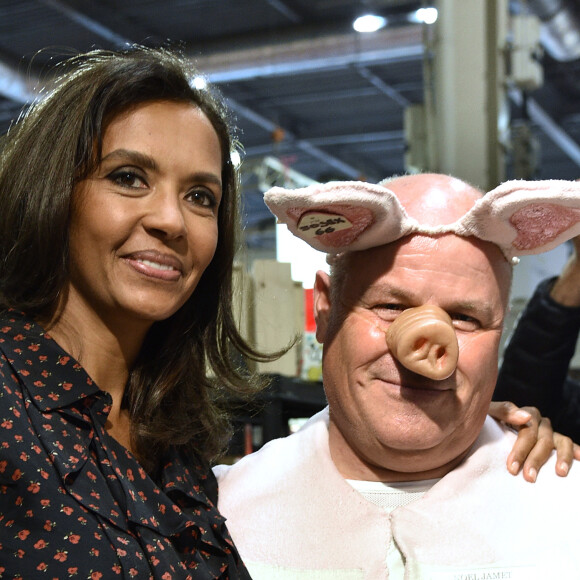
{"x": 322, "y": 304}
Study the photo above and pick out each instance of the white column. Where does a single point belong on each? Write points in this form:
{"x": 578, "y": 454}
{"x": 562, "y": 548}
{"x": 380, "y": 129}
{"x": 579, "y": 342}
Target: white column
{"x": 469, "y": 103}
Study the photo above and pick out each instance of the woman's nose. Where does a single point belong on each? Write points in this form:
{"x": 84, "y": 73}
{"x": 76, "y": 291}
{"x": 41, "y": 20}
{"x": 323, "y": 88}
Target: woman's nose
{"x": 423, "y": 340}
{"x": 165, "y": 214}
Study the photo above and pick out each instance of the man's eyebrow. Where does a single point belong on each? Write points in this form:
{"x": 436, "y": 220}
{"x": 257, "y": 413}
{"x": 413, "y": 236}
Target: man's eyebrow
{"x": 391, "y": 291}
{"x": 473, "y": 306}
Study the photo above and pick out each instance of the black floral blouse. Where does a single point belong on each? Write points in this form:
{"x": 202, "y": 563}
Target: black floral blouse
{"x": 74, "y": 503}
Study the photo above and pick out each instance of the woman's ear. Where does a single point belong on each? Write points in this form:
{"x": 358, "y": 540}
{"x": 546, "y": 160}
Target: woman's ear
{"x": 322, "y": 304}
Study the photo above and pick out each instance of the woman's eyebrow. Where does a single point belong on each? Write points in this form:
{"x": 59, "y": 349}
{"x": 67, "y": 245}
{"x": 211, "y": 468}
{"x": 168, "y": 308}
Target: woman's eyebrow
{"x": 148, "y": 162}
{"x": 132, "y": 156}
{"x": 209, "y": 178}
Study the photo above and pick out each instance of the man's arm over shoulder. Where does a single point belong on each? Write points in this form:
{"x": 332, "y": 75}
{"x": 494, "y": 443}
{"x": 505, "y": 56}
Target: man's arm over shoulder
{"x": 538, "y": 353}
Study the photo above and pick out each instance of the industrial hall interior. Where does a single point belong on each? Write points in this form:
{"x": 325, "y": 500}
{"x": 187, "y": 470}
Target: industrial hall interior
{"x": 322, "y": 90}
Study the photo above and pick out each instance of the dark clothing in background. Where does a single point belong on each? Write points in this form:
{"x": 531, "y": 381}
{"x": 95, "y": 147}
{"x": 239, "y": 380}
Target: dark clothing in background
{"x": 73, "y": 501}
{"x": 534, "y": 370}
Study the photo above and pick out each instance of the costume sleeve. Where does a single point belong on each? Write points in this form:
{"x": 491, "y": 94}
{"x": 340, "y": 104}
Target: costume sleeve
{"x": 534, "y": 370}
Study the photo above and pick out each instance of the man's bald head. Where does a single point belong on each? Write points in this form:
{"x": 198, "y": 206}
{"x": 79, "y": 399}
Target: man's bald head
{"x": 434, "y": 199}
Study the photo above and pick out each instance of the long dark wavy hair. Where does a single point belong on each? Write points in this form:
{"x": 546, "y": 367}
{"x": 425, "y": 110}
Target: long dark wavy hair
{"x": 185, "y": 371}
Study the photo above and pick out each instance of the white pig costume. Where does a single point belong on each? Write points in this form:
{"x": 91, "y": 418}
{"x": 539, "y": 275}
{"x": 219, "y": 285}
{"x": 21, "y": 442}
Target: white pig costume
{"x": 291, "y": 513}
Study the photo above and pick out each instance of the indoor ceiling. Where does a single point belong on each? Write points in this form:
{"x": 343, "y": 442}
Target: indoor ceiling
{"x": 312, "y": 98}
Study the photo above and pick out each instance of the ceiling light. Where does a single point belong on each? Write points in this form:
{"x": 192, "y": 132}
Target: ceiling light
{"x": 425, "y": 15}
{"x": 369, "y": 23}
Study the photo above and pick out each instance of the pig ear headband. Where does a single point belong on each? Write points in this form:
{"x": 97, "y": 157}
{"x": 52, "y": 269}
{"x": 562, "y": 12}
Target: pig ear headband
{"x": 521, "y": 217}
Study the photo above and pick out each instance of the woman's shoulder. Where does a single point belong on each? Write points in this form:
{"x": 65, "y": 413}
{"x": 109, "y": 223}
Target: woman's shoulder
{"x": 18, "y": 332}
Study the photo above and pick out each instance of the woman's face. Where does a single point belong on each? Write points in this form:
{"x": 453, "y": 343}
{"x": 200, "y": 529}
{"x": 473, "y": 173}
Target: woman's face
{"x": 144, "y": 225}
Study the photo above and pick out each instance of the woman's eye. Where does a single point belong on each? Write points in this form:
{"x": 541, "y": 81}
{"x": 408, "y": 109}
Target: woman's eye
{"x": 127, "y": 178}
{"x": 202, "y": 197}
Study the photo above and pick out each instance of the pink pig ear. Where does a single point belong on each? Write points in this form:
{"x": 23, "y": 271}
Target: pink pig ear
{"x": 526, "y": 217}
{"x": 340, "y": 215}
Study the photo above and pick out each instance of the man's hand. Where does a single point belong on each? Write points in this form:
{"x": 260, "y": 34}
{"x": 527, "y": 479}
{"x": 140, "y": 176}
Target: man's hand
{"x": 535, "y": 442}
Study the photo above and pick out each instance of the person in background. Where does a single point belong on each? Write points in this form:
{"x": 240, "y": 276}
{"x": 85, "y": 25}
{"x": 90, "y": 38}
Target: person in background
{"x": 537, "y": 356}
{"x": 403, "y": 475}
{"x": 118, "y": 229}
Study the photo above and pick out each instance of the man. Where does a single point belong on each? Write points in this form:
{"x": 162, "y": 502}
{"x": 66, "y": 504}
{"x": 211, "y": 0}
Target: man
{"x": 403, "y": 476}
{"x": 538, "y": 354}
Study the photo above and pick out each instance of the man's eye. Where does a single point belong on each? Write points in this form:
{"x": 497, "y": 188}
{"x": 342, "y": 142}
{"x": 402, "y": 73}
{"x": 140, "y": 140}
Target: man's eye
{"x": 464, "y": 322}
{"x": 388, "y": 311}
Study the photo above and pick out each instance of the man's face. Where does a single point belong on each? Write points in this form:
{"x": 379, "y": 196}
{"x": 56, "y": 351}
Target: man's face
{"x": 388, "y": 423}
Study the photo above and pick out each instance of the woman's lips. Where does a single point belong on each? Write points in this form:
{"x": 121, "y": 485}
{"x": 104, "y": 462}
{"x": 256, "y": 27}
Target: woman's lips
{"x": 155, "y": 265}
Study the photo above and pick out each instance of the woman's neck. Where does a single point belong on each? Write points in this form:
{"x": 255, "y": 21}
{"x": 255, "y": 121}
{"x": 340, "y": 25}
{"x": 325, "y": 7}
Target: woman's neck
{"x": 107, "y": 352}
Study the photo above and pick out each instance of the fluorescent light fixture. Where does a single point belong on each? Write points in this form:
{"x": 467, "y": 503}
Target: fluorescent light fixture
{"x": 425, "y": 15}
{"x": 369, "y": 23}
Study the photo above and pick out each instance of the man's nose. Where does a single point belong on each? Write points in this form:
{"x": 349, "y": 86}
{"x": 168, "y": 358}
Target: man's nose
{"x": 164, "y": 214}
{"x": 423, "y": 340}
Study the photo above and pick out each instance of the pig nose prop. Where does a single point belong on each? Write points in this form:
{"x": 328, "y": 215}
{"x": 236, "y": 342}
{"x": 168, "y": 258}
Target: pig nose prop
{"x": 423, "y": 340}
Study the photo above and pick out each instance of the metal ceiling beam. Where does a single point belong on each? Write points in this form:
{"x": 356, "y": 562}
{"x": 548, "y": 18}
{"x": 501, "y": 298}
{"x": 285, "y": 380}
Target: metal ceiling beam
{"x": 353, "y": 139}
{"x": 396, "y": 137}
{"x": 296, "y": 55}
{"x": 324, "y": 95}
{"x": 268, "y": 59}
{"x": 89, "y": 23}
{"x": 383, "y": 87}
{"x": 302, "y": 144}
{"x": 285, "y": 10}
{"x": 557, "y": 135}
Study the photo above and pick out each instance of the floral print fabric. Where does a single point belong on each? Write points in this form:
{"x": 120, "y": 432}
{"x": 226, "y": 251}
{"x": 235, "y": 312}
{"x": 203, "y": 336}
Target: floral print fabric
{"x": 74, "y": 503}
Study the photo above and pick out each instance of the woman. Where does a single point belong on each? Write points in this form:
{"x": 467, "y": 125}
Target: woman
{"x": 117, "y": 237}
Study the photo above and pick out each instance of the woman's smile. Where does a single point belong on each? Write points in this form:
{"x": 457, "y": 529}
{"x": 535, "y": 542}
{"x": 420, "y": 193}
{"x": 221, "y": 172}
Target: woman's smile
{"x": 144, "y": 225}
{"x": 155, "y": 265}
